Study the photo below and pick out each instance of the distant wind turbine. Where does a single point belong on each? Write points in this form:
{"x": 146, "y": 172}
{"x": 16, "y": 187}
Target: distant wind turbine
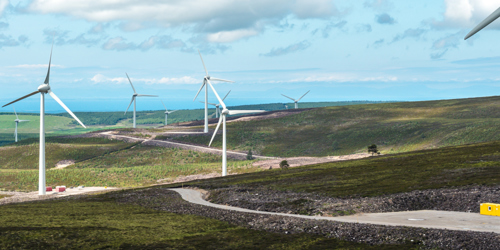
{"x": 205, "y": 79}
{"x": 222, "y": 119}
{"x": 296, "y": 101}
{"x": 492, "y": 17}
{"x": 17, "y": 121}
{"x": 217, "y": 106}
{"x": 44, "y": 89}
{"x": 167, "y": 113}
{"x": 134, "y": 96}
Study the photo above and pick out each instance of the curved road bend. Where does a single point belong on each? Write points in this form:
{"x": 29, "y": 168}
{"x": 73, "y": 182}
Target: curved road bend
{"x": 185, "y": 146}
{"x": 423, "y": 218}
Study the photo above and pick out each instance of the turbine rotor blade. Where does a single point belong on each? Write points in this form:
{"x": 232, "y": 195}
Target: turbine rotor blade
{"x": 129, "y": 105}
{"x": 216, "y": 95}
{"x": 170, "y": 112}
{"x": 147, "y": 95}
{"x": 236, "y": 112}
{"x": 288, "y": 97}
{"x": 64, "y": 106}
{"x": 215, "y": 132}
{"x": 164, "y": 105}
{"x": 220, "y": 80}
{"x": 303, "y": 95}
{"x": 226, "y": 95}
{"x": 131, "y": 83}
{"x": 199, "y": 90}
{"x": 19, "y": 99}
{"x": 492, "y": 17}
{"x": 206, "y": 71}
{"x": 24, "y": 120}
{"x": 15, "y": 112}
{"x": 50, "y": 61}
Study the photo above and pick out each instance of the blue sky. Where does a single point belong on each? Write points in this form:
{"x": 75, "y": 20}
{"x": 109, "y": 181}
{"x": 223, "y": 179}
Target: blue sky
{"x": 340, "y": 50}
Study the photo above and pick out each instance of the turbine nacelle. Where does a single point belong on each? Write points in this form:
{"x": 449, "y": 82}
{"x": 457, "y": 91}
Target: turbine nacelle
{"x": 225, "y": 111}
{"x": 44, "y": 88}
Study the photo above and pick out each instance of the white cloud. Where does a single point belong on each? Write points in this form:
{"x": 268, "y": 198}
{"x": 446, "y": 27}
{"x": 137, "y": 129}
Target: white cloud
{"x": 221, "y": 20}
{"x": 3, "y": 4}
{"x": 467, "y": 13}
{"x": 346, "y": 77}
{"x": 99, "y": 78}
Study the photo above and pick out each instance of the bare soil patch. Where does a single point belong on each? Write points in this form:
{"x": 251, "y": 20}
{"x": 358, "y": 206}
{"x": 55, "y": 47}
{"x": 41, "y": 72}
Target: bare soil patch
{"x": 63, "y": 164}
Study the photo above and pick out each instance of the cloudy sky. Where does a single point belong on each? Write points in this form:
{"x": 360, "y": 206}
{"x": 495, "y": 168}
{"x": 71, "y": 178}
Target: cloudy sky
{"x": 340, "y": 50}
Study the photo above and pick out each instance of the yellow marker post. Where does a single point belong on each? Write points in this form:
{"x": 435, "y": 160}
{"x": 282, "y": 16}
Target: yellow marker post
{"x": 490, "y": 209}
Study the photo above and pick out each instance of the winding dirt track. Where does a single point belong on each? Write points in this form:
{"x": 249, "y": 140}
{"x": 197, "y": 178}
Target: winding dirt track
{"x": 423, "y": 218}
{"x": 169, "y": 144}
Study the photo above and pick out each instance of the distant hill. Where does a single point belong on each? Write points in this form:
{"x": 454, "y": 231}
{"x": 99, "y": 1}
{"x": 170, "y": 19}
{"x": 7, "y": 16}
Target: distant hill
{"x": 394, "y": 127}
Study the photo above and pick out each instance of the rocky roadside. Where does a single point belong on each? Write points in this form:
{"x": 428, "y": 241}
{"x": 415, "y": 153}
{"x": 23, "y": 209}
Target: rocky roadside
{"x": 162, "y": 199}
{"x": 464, "y": 199}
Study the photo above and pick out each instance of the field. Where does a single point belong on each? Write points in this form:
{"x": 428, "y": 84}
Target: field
{"x": 476, "y": 164}
{"x": 394, "y": 127}
{"x": 107, "y": 221}
{"x": 102, "y": 162}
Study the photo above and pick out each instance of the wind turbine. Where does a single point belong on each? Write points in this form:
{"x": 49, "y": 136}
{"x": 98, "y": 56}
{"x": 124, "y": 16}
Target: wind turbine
{"x": 296, "y": 101}
{"x": 206, "y": 78}
{"x": 222, "y": 118}
{"x": 492, "y": 17}
{"x": 217, "y": 106}
{"x": 17, "y": 121}
{"x": 44, "y": 89}
{"x": 166, "y": 112}
{"x": 134, "y": 96}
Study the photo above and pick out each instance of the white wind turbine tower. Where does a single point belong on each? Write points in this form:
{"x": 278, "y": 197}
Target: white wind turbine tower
{"x": 17, "y": 121}
{"x": 167, "y": 112}
{"x": 44, "y": 89}
{"x": 217, "y": 106}
{"x": 222, "y": 119}
{"x": 134, "y": 96}
{"x": 205, "y": 80}
{"x": 296, "y": 101}
{"x": 492, "y": 17}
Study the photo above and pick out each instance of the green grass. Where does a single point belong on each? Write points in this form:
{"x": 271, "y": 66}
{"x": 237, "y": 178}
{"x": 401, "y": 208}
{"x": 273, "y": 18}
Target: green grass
{"x": 477, "y": 164}
{"x": 100, "y": 222}
{"x": 142, "y": 155}
{"x": 25, "y": 154}
{"x": 394, "y": 127}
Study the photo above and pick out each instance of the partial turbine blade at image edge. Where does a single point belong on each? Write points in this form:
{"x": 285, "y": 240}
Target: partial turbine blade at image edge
{"x": 19, "y": 99}
{"x": 66, "y": 108}
{"x": 215, "y": 132}
{"x": 492, "y": 17}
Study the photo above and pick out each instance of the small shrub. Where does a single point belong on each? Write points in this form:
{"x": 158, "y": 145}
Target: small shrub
{"x": 284, "y": 164}
{"x": 373, "y": 149}
{"x": 249, "y": 155}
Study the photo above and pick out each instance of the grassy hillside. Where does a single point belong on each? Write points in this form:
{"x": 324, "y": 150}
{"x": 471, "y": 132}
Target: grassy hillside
{"x": 476, "y": 164}
{"x": 394, "y": 127}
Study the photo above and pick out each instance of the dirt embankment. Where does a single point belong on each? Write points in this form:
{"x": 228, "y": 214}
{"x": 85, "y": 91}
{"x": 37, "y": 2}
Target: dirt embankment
{"x": 165, "y": 200}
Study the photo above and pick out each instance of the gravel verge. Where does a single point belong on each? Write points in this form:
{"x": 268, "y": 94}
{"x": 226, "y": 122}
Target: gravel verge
{"x": 463, "y": 199}
{"x": 166, "y": 200}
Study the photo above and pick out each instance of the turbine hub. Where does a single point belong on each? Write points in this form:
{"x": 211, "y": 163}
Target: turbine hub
{"x": 225, "y": 111}
{"x": 44, "y": 88}
{"x": 135, "y": 94}
{"x": 207, "y": 77}
{"x": 16, "y": 120}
